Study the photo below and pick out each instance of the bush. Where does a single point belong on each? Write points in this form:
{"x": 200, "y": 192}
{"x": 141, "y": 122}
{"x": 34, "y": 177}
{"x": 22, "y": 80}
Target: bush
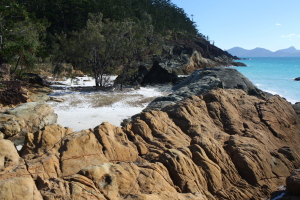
{"x": 10, "y": 93}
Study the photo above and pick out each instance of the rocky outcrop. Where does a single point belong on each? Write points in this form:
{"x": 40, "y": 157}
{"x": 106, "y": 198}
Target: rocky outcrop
{"x": 27, "y": 118}
{"x": 178, "y": 57}
{"x": 15, "y": 181}
{"x": 183, "y": 56}
{"x": 203, "y": 80}
{"x": 36, "y": 115}
{"x": 223, "y": 144}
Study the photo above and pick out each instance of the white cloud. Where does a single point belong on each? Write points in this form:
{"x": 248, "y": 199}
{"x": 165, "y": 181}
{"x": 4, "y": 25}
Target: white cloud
{"x": 278, "y": 24}
{"x": 291, "y": 35}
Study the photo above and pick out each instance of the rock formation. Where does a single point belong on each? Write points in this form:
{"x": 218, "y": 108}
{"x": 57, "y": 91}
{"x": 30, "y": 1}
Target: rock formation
{"x": 203, "y": 80}
{"x": 219, "y": 138}
{"x": 27, "y": 118}
{"x": 180, "y": 57}
{"x": 183, "y": 56}
{"x": 224, "y": 144}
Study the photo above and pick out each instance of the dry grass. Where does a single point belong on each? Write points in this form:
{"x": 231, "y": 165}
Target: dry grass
{"x": 100, "y": 100}
{"x": 140, "y": 102}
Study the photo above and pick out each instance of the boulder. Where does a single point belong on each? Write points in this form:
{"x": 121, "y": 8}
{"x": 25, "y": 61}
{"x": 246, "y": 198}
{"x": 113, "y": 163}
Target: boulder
{"x": 10, "y": 125}
{"x": 296, "y": 107}
{"x": 159, "y": 75}
{"x": 203, "y": 80}
{"x": 33, "y": 78}
{"x": 36, "y": 115}
{"x": 293, "y": 182}
{"x": 19, "y": 188}
{"x": 9, "y": 157}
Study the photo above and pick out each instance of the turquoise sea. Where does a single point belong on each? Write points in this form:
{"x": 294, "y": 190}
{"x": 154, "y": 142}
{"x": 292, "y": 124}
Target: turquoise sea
{"x": 274, "y": 75}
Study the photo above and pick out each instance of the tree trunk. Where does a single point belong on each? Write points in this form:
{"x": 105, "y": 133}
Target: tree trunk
{"x": 13, "y": 71}
{"x": 101, "y": 80}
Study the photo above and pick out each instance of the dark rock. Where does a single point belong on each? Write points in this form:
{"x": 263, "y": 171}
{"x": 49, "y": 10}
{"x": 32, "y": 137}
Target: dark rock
{"x": 293, "y": 182}
{"x": 33, "y": 78}
{"x": 287, "y": 152}
{"x": 297, "y": 79}
{"x": 203, "y": 80}
{"x": 135, "y": 78}
{"x": 296, "y": 107}
{"x": 159, "y": 75}
{"x": 239, "y": 64}
{"x": 227, "y": 78}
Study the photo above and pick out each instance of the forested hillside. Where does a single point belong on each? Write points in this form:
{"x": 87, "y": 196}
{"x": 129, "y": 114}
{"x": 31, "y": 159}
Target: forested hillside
{"x": 69, "y": 15}
{"x": 95, "y": 36}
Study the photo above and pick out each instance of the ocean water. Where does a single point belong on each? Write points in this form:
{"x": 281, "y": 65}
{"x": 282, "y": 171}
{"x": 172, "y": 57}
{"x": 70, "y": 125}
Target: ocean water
{"x": 274, "y": 75}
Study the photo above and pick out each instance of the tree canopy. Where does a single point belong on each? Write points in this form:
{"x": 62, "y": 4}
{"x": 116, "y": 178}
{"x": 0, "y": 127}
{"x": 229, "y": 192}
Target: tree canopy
{"x": 71, "y": 15}
{"x": 21, "y": 35}
{"x": 91, "y": 34}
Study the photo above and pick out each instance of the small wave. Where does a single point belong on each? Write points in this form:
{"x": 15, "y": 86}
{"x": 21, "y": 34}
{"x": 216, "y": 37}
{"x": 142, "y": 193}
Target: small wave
{"x": 279, "y": 196}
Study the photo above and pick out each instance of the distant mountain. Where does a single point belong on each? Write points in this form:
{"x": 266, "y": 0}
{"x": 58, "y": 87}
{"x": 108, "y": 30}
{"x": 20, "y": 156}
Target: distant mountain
{"x": 292, "y": 51}
{"x": 261, "y": 52}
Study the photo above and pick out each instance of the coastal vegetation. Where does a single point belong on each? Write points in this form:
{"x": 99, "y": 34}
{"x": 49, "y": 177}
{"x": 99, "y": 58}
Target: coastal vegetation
{"x": 97, "y": 37}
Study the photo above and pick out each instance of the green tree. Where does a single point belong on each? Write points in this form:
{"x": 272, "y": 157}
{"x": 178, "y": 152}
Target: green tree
{"x": 138, "y": 45}
{"x": 97, "y": 46}
{"x": 20, "y": 36}
{"x": 105, "y": 45}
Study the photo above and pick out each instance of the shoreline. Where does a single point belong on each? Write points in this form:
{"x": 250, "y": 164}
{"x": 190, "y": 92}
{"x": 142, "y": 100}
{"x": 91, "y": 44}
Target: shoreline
{"x": 274, "y": 75}
{"x": 114, "y": 113}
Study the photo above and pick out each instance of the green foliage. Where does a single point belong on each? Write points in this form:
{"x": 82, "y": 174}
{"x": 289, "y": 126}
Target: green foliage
{"x": 20, "y": 36}
{"x": 71, "y": 15}
{"x": 104, "y": 45}
{"x": 125, "y": 34}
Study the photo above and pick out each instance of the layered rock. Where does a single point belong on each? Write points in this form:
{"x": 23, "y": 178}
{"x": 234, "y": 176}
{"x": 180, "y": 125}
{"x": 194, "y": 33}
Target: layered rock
{"x": 224, "y": 144}
{"x": 15, "y": 180}
{"x": 183, "y": 56}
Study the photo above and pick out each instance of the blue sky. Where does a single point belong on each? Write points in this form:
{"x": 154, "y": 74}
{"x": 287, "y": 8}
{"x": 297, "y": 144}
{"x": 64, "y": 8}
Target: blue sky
{"x": 270, "y": 24}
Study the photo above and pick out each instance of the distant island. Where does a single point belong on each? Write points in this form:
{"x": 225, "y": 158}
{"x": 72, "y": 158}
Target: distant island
{"x": 261, "y": 52}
